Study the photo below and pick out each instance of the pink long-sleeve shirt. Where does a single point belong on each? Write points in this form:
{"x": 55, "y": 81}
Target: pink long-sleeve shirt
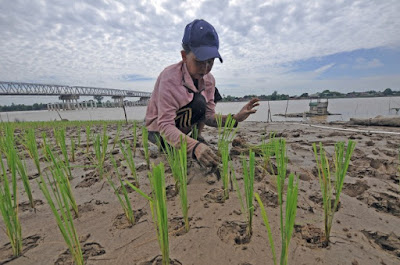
{"x": 171, "y": 94}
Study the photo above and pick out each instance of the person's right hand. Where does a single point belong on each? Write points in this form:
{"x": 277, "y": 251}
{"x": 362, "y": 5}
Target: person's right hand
{"x": 206, "y": 156}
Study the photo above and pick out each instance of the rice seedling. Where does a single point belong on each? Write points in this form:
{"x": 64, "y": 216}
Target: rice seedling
{"x": 226, "y": 133}
{"x": 287, "y": 220}
{"x": 341, "y": 160}
{"x": 21, "y": 169}
{"x": 9, "y": 209}
{"x": 125, "y": 203}
{"x": 116, "y": 139}
{"x": 195, "y": 132}
{"x": 224, "y": 151}
{"x": 31, "y": 146}
{"x": 134, "y": 138}
{"x": 128, "y": 155}
{"x": 145, "y": 142}
{"x": 59, "y": 174}
{"x": 100, "y": 150}
{"x": 87, "y": 138}
{"x": 267, "y": 150}
{"x": 73, "y": 149}
{"x": 173, "y": 161}
{"x": 182, "y": 158}
{"x": 158, "y": 208}
{"x": 78, "y": 131}
{"x": 226, "y": 129}
{"x": 59, "y": 203}
{"x": 177, "y": 160}
{"x": 61, "y": 142}
{"x": 248, "y": 177}
{"x": 15, "y": 164}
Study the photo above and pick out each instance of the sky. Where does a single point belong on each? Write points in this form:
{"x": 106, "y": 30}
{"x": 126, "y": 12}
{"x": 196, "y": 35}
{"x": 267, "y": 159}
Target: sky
{"x": 291, "y": 47}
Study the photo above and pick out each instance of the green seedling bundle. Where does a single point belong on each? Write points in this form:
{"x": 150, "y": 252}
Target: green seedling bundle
{"x": 88, "y": 138}
{"x": 226, "y": 133}
{"x": 58, "y": 169}
{"x": 248, "y": 177}
{"x": 100, "y": 150}
{"x": 73, "y": 148}
{"x": 31, "y": 146}
{"x": 177, "y": 159}
{"x": 182, "y": 158}
{"x": 134, "y": 143}
{"x": 158, "y": 208}
{"x": 226, "y": 129}
{"x": 14, "y": 162}
{"x": 116, "y": 139}
{"x": 145, "y": 143}
{"x": 287, "y": 220}
{"x": 341, "y": 159}
{"x": 128, "y": 155}
{"x": 225, "y": 174}
{"x": 59, "y": 202}
{"x": 61, "y": 142}
{"x": 125, "y": 203}
{"x": 9, "y": 209}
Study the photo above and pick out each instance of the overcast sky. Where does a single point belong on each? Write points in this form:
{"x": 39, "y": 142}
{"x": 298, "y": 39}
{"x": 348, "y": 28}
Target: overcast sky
{"x": 288, "y": 46}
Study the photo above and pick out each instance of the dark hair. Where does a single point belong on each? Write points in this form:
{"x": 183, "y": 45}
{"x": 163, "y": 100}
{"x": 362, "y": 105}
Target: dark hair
{"x": 186, "y": 48}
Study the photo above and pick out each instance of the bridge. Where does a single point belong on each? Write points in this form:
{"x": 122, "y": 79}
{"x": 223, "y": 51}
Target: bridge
{"x": 69, "y": 93}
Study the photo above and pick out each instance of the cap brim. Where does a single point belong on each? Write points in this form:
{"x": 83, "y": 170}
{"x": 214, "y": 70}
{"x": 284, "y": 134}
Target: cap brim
{"x": 206, "y": 52}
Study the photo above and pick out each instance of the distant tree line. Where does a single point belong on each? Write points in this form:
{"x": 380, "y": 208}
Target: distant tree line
{"x": 23, "y": 107}
{"x": 324, "y": 94}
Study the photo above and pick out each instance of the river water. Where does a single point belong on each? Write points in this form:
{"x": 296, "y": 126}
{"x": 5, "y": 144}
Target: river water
{"x": 346, "y": 108}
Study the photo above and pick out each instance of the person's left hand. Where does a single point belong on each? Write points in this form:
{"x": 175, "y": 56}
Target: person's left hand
{"x": 247, "y": 109}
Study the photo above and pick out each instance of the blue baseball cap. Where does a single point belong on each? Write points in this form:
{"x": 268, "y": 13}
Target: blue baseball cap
{"x": 202, "y": 40}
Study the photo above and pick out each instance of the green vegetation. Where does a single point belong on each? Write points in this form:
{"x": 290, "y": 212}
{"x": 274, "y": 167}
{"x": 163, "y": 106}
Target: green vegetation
{"x": 60, "y": 174}
{"x": 14, "y": 162}
{"x": 177, "y": 160}
{"x": 324, "y": 94}
{"x": 287, "y": 221}
{"x": 59, "y": 134}
{"x": 226, "y": 134}
{"x": 134, "y": 143}
{"x": 100, "y": 149}
{"x": 182, "y": 158}
{"x": 248, "y": 177}
{"x": 128, "y": 155}
{"x": 125, "y": 203}
{"x": 59, "y": 200}
{"x": 158, "y": 208}
{"x": 341, "y": 160}
{"x": 145, "y": 143}
{"x": 31, "y": 146}
{"x": 9, "y": 209}
{"x": 23, "y": 107}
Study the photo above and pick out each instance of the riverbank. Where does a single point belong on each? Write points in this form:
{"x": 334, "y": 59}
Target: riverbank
{"x": 365, "y": 231}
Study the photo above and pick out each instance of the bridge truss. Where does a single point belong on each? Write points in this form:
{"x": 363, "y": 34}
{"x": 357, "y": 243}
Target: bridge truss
{"x": 19, "y": 89}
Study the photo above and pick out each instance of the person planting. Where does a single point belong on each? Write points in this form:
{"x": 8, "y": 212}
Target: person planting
{"x": 184, "y": 94}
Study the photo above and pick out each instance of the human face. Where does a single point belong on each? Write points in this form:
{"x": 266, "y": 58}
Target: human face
{"x": 197, "y": 69}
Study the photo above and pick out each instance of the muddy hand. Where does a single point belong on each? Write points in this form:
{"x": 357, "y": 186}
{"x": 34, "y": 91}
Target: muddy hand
{"x": 206, "y": 156}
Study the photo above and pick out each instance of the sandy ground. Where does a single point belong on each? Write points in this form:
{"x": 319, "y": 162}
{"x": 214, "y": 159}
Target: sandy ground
{"x": 366, "y": 228}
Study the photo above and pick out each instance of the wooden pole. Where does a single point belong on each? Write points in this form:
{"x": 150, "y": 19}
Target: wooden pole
{"x": 287, "y": 105}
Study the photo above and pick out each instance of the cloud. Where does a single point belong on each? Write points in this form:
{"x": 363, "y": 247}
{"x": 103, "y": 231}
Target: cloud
{"x": 323, "y": 68}
{"x": 135, "y": 78}
{"x": 362, "y": 63}
{"x": 96, "y": 43}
